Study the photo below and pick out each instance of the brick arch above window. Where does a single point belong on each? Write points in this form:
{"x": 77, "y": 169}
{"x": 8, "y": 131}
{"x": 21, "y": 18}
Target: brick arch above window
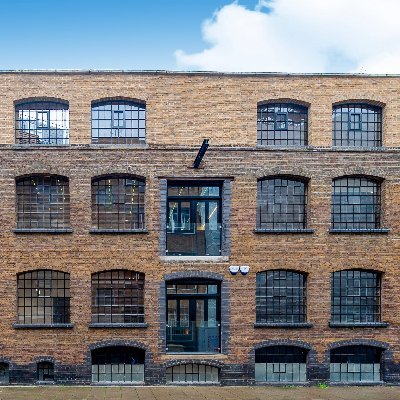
{"x": 367, "y": 101}
{"x": 284, "y": 100}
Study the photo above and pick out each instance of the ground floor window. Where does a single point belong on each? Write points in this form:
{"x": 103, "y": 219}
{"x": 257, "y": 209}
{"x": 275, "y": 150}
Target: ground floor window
{"x": 4, "y": 373}
{"x": 281, "y": 364}
{"x": 192, "y": 373}
{"x": 45, "y": 371}
{"x": 118, "y": 364}
{"x": 356, "y": 364}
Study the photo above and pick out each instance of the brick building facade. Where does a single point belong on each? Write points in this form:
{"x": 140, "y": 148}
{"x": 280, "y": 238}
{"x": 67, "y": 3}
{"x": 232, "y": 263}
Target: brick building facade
{"x": 320, "y": 300}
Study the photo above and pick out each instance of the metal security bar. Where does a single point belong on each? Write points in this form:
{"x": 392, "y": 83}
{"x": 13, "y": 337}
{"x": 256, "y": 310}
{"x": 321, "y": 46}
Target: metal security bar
{"x": 43, "y": 297}
{"x": 192, "y": 373}
{"x": 357, "y": 125}
{"x": 282, "y": 124}
{"x": 280, "y": 297}
{"x": 118, "y": 122}
{"x": 118, "y": 297}
{"x": 43, "y": 202}
{"x": 42, "y": 123}
{"x": 281, "y": 204}
{"x": 356, "y": 296}
{"x": 45, "y": 371}
{"x": 118, "y": 203}
{"x": 356, "y": 364}
{"x": 356, "y": 203}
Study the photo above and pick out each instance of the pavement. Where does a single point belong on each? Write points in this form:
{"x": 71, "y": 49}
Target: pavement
{"x": 199, "y": 393}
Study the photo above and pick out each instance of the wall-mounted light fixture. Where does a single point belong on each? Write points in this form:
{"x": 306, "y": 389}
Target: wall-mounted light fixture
{"x": 234, "y": 269}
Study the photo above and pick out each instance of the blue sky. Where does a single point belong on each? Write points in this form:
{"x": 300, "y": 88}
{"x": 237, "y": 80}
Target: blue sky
{"x": 218, "y": 35}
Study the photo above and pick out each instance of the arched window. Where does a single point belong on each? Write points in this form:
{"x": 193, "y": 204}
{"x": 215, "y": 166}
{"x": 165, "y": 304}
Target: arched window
{"x": 282, "y": 124}
{"x": 118, "y": 297}
{"x": 281, "y": 297}
{"x": 281, "y": 364}
{"x": 356, "y": 203}
{"x": 4, "y": 373}
{"x": 356, "y": 364}
{"x": 118, "y": 364}
{"x": 193, "y": 316}
{"x": 43, "y": 297}
{"x": 193, "y": 373}
{"x": 45, "y": 371}
{"x": 118, "y": 122}
{"x": 357, "y": 125}
{"x": 43, "y": 202}
{"x": 42, "y": 123}
{"x": 281, "y": 204}
{"x": 356, "y": 297}
{"x": 118, "y": 203}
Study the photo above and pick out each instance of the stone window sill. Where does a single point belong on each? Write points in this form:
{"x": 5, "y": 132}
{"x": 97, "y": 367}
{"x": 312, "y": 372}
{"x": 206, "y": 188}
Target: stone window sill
{"x": 194, "y": 258}
{"x": 283, "y": 231}
{"x": 43, "y": 230}
{"x": 43, "y": 326}
{"x": 117, "y": 325}
{"x": 358, "y": 324}
{"x": 360, "y": 231}
{"x": 118, "y": 231}
{"x": 283, "y": 325}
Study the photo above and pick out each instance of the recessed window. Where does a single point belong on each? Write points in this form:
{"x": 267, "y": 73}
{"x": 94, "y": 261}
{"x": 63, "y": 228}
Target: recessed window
{"x": 357, "y": 125}
{"x": 282, "y": 124}
{"x": 45, "y": 371}
{"x": 356, "y": 203}
{"x": 42, "y": 123}
{"x": 356, "y": 296}
{"x": 192, "y": 373}
{"x": 193, "y": 316}
{"x": 43, "y": 297}
{"x": 355, "y": 364}
{"x": 280, "y": 297}
{"x": 118, "y": 297}
{"x": 118, "y": 122}
{"x": 281, "y": 364}
{"x": 118, "y": 364}
{"x": 194, "y": 216}
{"x": 118, "y": 203}
{"x": 4, "y": 373}
{"x": 281, "y": 204}
{"x": 43, "y": 202}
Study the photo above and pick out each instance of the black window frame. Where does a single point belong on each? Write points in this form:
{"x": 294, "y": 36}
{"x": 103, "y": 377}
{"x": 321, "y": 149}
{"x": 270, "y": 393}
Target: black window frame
{"x": 348, "y": 136}
{"x": 45, "y": 370}
{"x": 192, "y": 374}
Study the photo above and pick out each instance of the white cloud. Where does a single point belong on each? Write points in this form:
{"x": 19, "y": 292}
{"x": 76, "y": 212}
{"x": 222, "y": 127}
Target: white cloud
{"x": 301, "y": 36}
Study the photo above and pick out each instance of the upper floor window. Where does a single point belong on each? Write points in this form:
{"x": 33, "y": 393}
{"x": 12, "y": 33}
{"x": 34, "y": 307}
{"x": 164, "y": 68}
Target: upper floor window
{"x": 357, "y": 125}
{"x": 43, "y": 297}
{"x": 282, "y": 124}
{"x": 118, "y": 122}
{"x": 118, "y": 203}
{"x": 356, "y": 296}
{"x": 43, "y": 202}
{"x": 281, "y": 204}
{"x": 42, "y": 123}
{"x": 194, "y": 219}
{"x": 356, "y": 203}
{"x": 281, "y": 297}
{"x": 118, "y": 297}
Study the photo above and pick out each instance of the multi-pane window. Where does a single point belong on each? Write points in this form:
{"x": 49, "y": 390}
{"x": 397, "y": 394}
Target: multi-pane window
{"x": 282, "y": 124}
{"x": 281, "y": 364}
{"x": 281, "y": 204}
{"x": 118, "y": 364}
{"x": 42, "y": 123}
{"x": 118, "y": 297}
{"x": 118, "y": 122}
{"x": 280, "y": 297}
{"x": 43, "y": 297}
{"x": 45, "y": 371}
{"x": 356, "y": 203}
{"x": 356, "y": 296}
{"x": 357, "y": 125}
{"x": 43, "y": 202}
{"x": 4, "y": 373}
{"x": 355, "y": 364}
{"x": 198, "y": 373}
{"x": 118, "y": 203}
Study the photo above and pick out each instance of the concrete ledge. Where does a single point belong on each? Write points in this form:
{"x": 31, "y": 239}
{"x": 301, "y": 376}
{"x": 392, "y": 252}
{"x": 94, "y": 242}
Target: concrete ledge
{"x": 43, "y": 326}
{"x": 117, "y": 325}
{"x": 118, "y": 231}
{"x": 283, "y": 325}
{"x": 358, "y": 325}
{"x": 283, "y": 231}
{"x": 39, "y": 230}
{"x": 360, "y": 231}
{"x": 213, "y": 259}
